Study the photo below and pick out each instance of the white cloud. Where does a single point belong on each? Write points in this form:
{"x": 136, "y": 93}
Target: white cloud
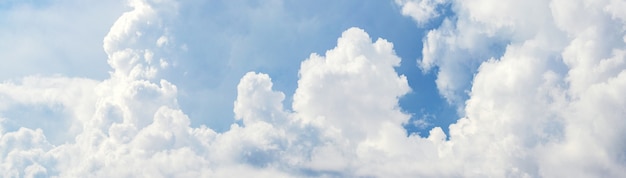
{"x": 525, "y": 107}
{"x": 549, "y": 104}
{"x": 135, "y": 121}
{"x": 354, "y": 80}
{"x": 480, "y": 30}
{"x": 257, "y": 102}
{"x": 422, "y": 11}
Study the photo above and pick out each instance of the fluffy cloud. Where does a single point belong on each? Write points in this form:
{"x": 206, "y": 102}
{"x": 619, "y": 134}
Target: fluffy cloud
{"x": 541, "y": 97}
{"x": 540, "y": 86}
{"x": 132, "y": 119}
{"x": 422, "y": 11}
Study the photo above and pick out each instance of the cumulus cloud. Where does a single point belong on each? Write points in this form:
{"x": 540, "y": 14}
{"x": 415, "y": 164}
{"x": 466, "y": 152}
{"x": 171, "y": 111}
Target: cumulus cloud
{"x": 132, "y": 119}
{"x": 540, "y": 93}
{"x": 526, "y": 77}
{"x": 422, "y": 11}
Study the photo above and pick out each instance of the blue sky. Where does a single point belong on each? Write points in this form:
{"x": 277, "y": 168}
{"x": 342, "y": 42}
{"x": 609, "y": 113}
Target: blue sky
{"x": 380, "y": 19}
{"x": 282, "y": 88}
{"x": 300, "y": 26}
{"x": 209, "y": 65}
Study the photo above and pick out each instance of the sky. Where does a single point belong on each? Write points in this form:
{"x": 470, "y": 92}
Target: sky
{"x": 281, "y": 88}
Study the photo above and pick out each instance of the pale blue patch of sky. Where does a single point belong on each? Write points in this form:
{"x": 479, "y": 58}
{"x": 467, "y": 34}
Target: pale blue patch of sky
{"x": 235, "y": 38}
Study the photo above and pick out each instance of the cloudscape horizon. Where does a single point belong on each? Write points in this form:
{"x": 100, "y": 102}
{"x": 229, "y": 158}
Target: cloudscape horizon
{"x": 402, "y": 88}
